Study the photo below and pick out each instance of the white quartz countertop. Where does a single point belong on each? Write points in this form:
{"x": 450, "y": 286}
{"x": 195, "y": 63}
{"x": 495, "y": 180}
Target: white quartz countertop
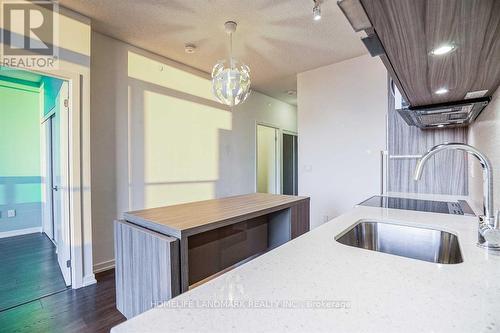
{"x": 315, "y": 284}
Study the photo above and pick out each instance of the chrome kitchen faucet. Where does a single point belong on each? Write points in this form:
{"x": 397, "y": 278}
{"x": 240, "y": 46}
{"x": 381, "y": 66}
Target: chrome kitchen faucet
{"x": 489, "y": 228}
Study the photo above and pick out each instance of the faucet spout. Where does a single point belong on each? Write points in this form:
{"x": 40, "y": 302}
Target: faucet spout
{"x": 423, "y": 160}
{"x": 489, "y": 226}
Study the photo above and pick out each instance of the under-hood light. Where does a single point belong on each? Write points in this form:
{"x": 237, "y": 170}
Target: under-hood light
{"x": 441, "y": 91}
{"x": 443, "y": 49}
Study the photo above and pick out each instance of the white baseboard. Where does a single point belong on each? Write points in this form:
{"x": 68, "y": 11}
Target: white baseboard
{"x": 89, "y": 280}
{"x": 104, "y": 266}
{"x": 20, "y": 232}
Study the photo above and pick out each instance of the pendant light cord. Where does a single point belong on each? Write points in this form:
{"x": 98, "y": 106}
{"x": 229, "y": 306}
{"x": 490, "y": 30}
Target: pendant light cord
{"x": 231, "y": 62}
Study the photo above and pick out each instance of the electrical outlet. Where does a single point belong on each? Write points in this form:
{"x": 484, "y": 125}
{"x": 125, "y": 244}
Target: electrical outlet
{"x": 11, "y": 213}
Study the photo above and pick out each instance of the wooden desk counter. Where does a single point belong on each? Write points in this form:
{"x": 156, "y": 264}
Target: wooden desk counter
{"x": 195, "y": 217}
{"x": 200, "y": 239}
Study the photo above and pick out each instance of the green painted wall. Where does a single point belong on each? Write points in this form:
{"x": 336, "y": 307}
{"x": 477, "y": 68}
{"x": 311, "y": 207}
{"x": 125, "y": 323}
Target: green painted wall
{"x": 20, "y": 177}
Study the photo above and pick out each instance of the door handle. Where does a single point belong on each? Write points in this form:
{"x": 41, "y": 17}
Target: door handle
{"x": 55, "y": 188}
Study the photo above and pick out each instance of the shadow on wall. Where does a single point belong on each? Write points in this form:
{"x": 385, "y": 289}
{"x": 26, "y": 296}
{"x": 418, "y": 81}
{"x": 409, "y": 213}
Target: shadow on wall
{"x": 64, "y": 53}
{"x": 179, "y": 137}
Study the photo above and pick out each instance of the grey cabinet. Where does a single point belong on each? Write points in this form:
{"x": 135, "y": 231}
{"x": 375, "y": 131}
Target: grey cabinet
{"x": 147, "y": 268}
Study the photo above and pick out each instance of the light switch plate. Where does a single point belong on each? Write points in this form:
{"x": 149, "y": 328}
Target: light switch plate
{"x": 11, "y": 213}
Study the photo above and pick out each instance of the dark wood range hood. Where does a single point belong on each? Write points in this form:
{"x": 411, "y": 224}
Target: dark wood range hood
{"x": 404, "y": 34}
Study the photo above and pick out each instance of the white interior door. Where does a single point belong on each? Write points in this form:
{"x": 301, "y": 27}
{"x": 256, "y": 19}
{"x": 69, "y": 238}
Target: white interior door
{"x": 60, "y": 183}
{"x": 267, "y": 160}
{"x": 46, "y": 168}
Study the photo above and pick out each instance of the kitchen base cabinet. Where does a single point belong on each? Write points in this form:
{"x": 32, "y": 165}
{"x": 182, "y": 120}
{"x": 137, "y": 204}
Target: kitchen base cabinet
{"x": 161, "y": 252}
{"x": 147, "y": 268}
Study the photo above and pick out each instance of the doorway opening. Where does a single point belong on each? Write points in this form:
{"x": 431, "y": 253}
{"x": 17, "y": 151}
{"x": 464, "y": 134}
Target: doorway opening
{"x": 277, "y": 160}
{"x": 267, "y": 159}
{"x": 35, "y": 248}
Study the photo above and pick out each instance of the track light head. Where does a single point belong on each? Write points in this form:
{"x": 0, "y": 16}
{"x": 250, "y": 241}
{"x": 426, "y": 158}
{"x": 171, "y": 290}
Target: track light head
{"x": 317, "y": 10}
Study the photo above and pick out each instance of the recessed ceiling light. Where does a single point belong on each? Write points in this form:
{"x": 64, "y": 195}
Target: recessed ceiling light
{"x": 441, "y": 91}
{"x": 443, "y": 49}
{"x": 317, "y": 10}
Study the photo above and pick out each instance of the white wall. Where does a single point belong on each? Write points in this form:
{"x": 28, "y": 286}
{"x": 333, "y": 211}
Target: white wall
{"x": 342, "y": 129}
{"x": 159, "y": 137}
{"x": 484, "y": 134}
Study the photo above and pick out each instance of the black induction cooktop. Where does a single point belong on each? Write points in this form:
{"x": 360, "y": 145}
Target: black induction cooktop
{"x": 458, "y": 208}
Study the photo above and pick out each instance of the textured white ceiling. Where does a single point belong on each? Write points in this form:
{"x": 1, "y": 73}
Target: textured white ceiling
{"x": 276, "y": 38}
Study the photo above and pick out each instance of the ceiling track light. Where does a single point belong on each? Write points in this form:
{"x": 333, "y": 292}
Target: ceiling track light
{"x": 317, "y": 10}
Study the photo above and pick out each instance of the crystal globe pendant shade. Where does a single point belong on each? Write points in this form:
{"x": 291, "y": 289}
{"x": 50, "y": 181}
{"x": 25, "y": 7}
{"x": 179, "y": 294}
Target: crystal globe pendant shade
{"x": 230, "y": 79}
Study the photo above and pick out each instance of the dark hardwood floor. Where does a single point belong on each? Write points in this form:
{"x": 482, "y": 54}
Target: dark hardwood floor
{"x": 89, "y": 309}
{"x": 28, "y": 269}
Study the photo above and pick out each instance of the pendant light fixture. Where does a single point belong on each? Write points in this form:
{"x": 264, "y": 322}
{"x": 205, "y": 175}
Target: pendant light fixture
{"x": 230, "y": 78}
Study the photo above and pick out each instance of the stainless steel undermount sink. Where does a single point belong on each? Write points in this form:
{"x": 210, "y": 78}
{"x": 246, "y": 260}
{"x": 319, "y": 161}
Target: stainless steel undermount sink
{"x": 412, "y": 242}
